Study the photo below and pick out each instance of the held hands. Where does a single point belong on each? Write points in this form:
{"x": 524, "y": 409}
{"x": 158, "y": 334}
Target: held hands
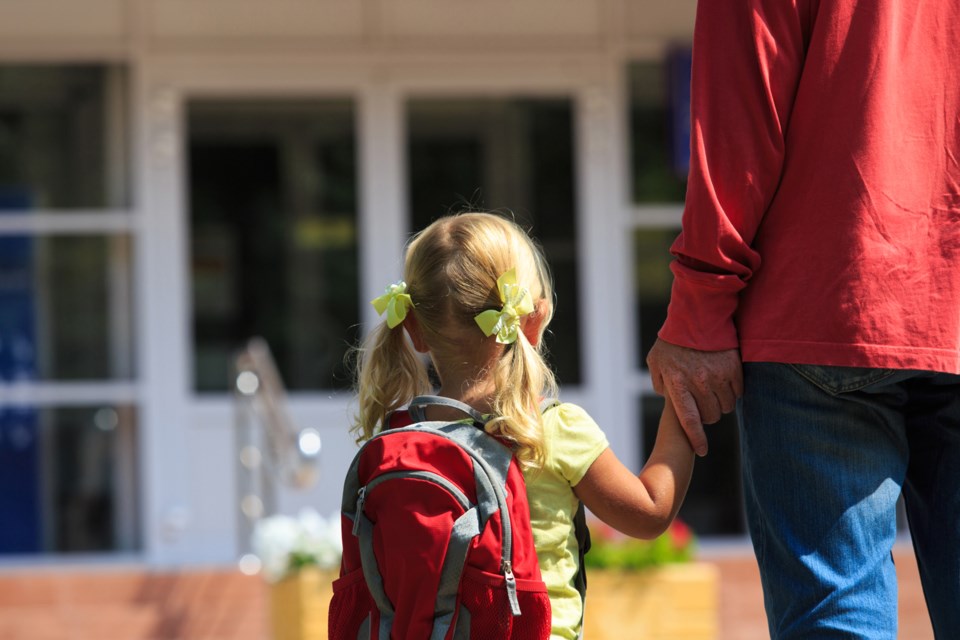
{"x": 703, "y": 385}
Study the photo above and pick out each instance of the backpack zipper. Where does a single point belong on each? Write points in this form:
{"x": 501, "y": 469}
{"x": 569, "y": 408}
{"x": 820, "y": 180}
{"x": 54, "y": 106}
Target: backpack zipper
{"x": 361, "y": 498}
{"x": 507, "y": 567}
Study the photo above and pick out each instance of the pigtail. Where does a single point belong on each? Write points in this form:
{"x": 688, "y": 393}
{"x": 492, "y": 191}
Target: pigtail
{"x": 523, "y": 380}
{"x": 388, "y": 374}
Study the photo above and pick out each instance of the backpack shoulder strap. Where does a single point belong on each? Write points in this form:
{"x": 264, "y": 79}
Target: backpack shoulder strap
{"x": 582, "y": 533}
{"x": 548, "y": 403}
{"x": 580, "y": 529}
{"x": 420, "y": 403}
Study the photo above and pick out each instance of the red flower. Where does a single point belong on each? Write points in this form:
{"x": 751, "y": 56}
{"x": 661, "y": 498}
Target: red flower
{"x": 680, "y": 534}
{"x": 602, "y": 531}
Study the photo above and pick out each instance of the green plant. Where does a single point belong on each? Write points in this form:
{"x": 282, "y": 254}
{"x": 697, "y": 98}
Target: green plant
{"x": 611, "y": 549}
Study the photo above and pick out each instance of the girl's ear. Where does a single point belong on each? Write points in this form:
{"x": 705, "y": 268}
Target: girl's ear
{"x": 412, "y": 327}
{"x": 532, "y": 323}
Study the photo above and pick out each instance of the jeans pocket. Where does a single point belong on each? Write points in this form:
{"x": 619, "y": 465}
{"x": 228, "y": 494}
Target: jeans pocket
{"x": 837, "y": 380}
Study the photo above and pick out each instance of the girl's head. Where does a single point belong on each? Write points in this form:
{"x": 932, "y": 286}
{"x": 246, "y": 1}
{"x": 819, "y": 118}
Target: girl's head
{"x": 451, "y": 272}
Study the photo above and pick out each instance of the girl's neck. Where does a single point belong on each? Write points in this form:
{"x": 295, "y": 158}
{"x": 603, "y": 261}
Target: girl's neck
{"x": 479, "y": 396}
{"x": 470, "y": 379}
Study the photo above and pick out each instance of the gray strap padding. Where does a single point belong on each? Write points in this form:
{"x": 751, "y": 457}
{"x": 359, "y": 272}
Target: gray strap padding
{"x": 418, "y": 404}
{"x": 547, "y": 404}
{"x": 441, "y": 625}
{"x": 462, "y": 632}
{"x": 487, "y": 503}
{"x": 386, "y": 624}
{"x": 351, "y": 485}
{"x": 371, "y": 573}
{"x": 383, "y": 631}
{"x": 495, "y": 459}
{"x": 364, "y": 632}
{"x": 494, "y": 453}
{"x": 465, "y": 529}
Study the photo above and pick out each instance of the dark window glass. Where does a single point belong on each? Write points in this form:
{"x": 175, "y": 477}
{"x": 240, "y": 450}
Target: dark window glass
{"x": 652, "y": 280}
{"x": 62, "y": 137}
{"x": 515, "y": 156}
{"x": 70, "y": 480}
{"x": 65, "y": 308}
{"x": 273, "y": 219}
{"x": 659, "y": 121}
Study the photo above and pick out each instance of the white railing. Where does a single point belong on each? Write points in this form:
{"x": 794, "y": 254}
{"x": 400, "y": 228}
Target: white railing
{"x": 271, "y": 449}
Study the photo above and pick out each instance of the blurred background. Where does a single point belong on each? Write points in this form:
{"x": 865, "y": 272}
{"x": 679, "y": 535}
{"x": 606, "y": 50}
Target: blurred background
{"x": 178, "y": 176}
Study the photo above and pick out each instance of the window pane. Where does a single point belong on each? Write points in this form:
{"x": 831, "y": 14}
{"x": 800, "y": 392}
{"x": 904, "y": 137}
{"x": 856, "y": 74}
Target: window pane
{"x": 514, "y": 155}
{"x": 651, "y": 284}
{"x": 659, "y": 141}
{"x": 69, "y": 478}
{"x": 273, "y": 218}
{"x": 62, "y": 137}
{"x": 714, "y": 504}
{"x": 65, "y": 308}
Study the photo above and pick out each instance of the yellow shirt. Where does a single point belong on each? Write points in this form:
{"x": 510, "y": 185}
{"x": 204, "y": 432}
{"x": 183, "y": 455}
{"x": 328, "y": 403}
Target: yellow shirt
{"x": 573, "y": 442}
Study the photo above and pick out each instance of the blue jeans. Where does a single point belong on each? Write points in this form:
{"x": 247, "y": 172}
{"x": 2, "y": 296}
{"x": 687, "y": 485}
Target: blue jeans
{"x": 826, "y": 454}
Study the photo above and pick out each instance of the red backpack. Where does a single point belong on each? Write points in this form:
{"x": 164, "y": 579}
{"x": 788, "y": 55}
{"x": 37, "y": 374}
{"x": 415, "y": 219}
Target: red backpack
{"x": 437, "y": 542}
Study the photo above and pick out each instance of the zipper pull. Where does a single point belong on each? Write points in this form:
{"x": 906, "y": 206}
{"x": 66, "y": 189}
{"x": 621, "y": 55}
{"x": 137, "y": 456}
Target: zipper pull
{"x": 507, "y": 568}
{"x": 361, "y": 496}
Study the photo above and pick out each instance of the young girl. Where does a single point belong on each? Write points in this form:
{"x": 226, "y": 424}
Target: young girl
{"x": 477, "y": 299}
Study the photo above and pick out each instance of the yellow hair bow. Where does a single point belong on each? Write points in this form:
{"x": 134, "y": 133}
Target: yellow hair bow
{"x": 395, "y": 302}
{"x": 516, "y": 303}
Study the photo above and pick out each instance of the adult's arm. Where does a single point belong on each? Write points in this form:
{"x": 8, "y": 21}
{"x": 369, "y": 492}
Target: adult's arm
{"x": 747, "y": 62}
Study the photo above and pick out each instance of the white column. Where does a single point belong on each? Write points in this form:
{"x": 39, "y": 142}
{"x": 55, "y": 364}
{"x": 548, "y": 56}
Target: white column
{"x": 162, "y": 296}
{"x": 383, "y": 215}
{"x": 604, "y": 246}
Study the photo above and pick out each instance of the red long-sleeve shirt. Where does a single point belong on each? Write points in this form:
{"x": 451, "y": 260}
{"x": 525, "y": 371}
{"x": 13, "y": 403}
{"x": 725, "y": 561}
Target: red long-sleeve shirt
{"x": 822, "y": 218}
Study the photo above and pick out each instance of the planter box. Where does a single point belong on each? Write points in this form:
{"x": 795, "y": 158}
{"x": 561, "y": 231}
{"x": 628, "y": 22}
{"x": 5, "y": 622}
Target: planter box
{"x": 298, "y": 605}
{"x": 673, "y": 602}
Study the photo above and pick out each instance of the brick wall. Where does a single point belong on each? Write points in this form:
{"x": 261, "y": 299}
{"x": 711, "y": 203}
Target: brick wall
{"x": 108, "y": 604}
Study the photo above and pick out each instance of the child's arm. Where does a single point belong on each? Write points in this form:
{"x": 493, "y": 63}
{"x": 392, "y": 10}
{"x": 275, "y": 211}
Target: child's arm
{"x": 642, "y": 506}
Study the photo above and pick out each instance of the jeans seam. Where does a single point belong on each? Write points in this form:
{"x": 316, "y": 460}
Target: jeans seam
{"x": 761, "y": 544}
{"x": 835, "y": 391}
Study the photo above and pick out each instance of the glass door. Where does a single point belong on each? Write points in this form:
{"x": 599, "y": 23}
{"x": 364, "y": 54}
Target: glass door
{"x": 68, "y": 401}
{"x": 513, "y": 155}
{"x": 273, "y": 236}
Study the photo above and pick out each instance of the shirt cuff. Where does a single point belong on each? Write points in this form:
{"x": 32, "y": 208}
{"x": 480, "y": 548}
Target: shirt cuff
{"x": 700, "y": 313}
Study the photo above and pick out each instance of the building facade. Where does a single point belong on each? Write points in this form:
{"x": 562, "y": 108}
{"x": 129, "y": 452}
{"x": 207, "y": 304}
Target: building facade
{"x": 177, "y": 176}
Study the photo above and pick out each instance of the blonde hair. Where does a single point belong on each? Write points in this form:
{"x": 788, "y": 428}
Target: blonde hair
{"x": 451, "y": 271}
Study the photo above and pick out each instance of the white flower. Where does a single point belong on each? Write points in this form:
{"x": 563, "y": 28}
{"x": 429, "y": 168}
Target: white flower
{"x": 320, "y": 538}
{"x": 280, "y": 541}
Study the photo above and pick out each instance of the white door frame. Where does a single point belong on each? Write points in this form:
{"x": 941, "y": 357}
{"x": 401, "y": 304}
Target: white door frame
{"x": 187, "y": 448}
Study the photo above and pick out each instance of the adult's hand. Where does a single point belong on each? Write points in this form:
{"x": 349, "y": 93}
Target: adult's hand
{"x": 702, "y": 384}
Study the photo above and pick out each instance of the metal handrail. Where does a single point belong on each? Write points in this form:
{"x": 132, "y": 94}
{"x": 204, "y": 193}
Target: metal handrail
{"x": 271, "y": 448}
